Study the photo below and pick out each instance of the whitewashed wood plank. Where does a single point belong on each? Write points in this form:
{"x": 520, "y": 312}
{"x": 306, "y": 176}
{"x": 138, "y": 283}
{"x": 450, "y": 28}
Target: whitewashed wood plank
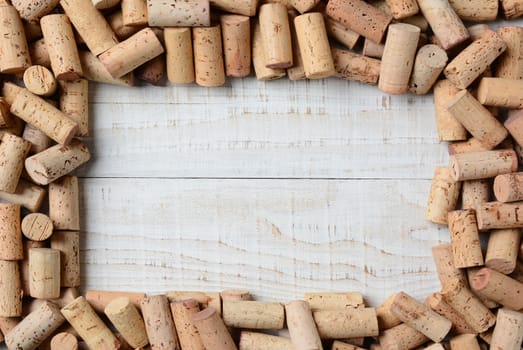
{"x": 277, "y": 238}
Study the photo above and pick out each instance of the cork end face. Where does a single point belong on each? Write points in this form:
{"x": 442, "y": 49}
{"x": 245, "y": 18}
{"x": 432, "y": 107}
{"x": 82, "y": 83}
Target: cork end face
{"x": 480, "y": 279}
{"x": 117, "y": 305}
{"x": 505, "y": 266}
{"x": 454, "y": 168}
{"x": 204, "y": 314}
{"x": 502, "y": 188}
{"x": 64, "y": 341}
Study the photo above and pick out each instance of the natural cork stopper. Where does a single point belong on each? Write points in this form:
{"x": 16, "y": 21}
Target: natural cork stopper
{"x": 64, "y": 341}
{"x": 68, "y": 243}
{"x": 183, "y": 313}
{"x": 13, "y": 150}
{"x": 37, "y": 227}
{"x": 208, "y": 56}
{"x": 301, "y": 325}
{"x": 10, "y": 289}
{"x": 159, "y": 323}
{"x": 212, "y": 330}
{"x": 179, "y": 59}
{"x": 64, "y": 203}
{"x": 128, "y": 321}
{"x": 482, "y": 165}
{"x": 334, "y": 324}
{"x": 443, "y": 196}
{"x": 10, "y": 232}
{"x": 236, "y": 32}
{"x": 498, "y": 287}
{"x": 464, "y": 236}
{"x": 508, "y": 332}
{"x": 44, "y": 272}
{"x": 276, "y": 35}
{"x": 262, "y": 341}
{"x": 429, "y": 63}
{"x": 502, "y": 250}
{"x": 496, "y": 215}
{"x": 173, "y": 13}
{"x": 253, "y": 314}
{"x": 40, "y": 81}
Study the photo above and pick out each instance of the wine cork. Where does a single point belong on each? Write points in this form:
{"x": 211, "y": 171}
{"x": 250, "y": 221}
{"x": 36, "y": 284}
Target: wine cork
{"x": 498, "y": 287}
{"x": 39, "y": 140}
{"x": 204, "y": 299}
{"x": 475, "y": 11}
{"x": 347, "y": 323}
{"x": 253, "y": 314}
{"x": 461, "y": 299}
{"x": 334, "y": 300}
{"x": 208, "y": 57}
{"x": 386, "y": 318}
{"x": 297, "y": 71}
{"x": 401, "y": 337}
{"x": 10, "y": 91}
{"x": 10, "y": 232}
{"x": 240, "y": 7}
{"x": 459, "y": 325}
{"x": 212, "y": 330}
{"x": 159, "y": 323}
{"x": 74, "y": 103}
{"x": 314, "y": 45}
{"x": 398, "y": 58}
{"x": 340, "y": 33}
{"x": 89, "y": 326}
{"x": 510, "y": 63}
{"x": 35, "y": 327}
{"x": 136, "y": 12}
{"x": 464, "y": 236}
{"x": 37, "y": 226}
{"x": 25, "y": 275}
{"x": 61, "y": 47}
{"x": 236, "y": 34}
{"x": 514, "y": 125}
{"x": 401, "y": 9}
{"x": 13, "y": 150}
{"x": 500, "y": 92}
{"x": 276, "y": 35}
{"x": 15, "y": 56}
{"x": 10, "y": 289}
{"x": 372, "y": 49}
{"x": 512, "y": 8}
{"x": 502, "y": 250}
{"x": 39, "y": 54}
{"x": 180, "y": 63}
{"x": 449, "y": 128}
{"x": 173, "y": 13}
{"x": 360, "y": 17}
{"x": 64, "y": 207}
{"x": 303, "y": 6}
{"x": 44, "y": 269}
{"x": 448, "y": 274}
{"x": 100, "y": 299}
{"x": 90, "y": 24}
{"x": 261, "y": 341}
{"x": 428, "y": 65}
{"x": 95, "y": 70}
{"x": 470, "y": 63}
{"x": 68, "y": 243}
{"x": 464, "y": 341}
{"x": 496, "y": 215}
{"x": 32, "y": 11}
{"x": 352, "y": 66}
{"x": 127, "y": 320}
{"x": 64, "y": 341}
{"x": 153, "y": 71}
{"x": 40, "y": 81}
{"x": 468, "y": 146}
{"x": 443, "y": 197}
{"x": 301, "y": 325}
{"x": 183, "y": 312}
{"x": 474, "y": 193}
{"x": 122, "y": 31}
{"x": 482, "y": 165}
{"x": 259, "y": 58}
{"x": 26, "y": 195}
{"x": 508, "y": 332}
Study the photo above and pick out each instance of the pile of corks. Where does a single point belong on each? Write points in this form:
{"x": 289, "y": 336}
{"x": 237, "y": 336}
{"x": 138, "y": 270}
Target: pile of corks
{"x": 50, "y": 49}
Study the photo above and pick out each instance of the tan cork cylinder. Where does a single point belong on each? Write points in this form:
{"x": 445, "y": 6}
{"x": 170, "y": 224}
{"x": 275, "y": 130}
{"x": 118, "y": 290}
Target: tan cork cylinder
{"x": 496, "y": 215}
{"x": 464, "y": 236}
{"x": 35, "y": 327}
{"x": 74, "y": 103}
{"x": 44, "y": 272}
{"x": 183, "y": 312}
{"x": 32, "y": 11}
{"x": 448, "y": 274}
{"x": 37, "y": 227}
{"x": 64, "y": 341}
{"x": 122, "y": 31}
{"x": 64, "y": 207}
{"x": 173, "y": 13}
{"x": 301, "y": 325}
{"x": 449, "y": 128}
{"x": 464, "y": 341}
{"x": 361, "y": 17}
{"x": 204, "y": 299}
{"x": 420, "y": 317}
{"x": 470, "y": 63}
{"x": 508, "y": 332}
{"x": 498, "y": 287}
{"x": 334, "y": 300}
{"x": 314, "y": 45}
{"x": 514, "y": 125}
{"x": 401, "y": 9}
{"x": 13, "y": 150}
{"x": 259, "y": 61}
{"x": 401, "y": 337}
{"x": 510, "y": 63}
{"x": 459, "y": 325}
{"x": 127, "y": 320}
{"x": 253, "y": 314}
{"x": 346, "y": 323}
{"x": 386, "y": 319}
{"x": 501, "y": 92}
{"x": 303, "y": 6}
{"x": 39, "y": 54}
{"x": 371, "y": 49}
{"x": 208, "y": 56}
{"x": 338, "y": 345}
{"x": 477, "y": 10}
{"x": 512, "y": 8}
{"x": 68, "y": 243}
{"x": 240, "y": 7}
{"x": 353, "y": 66}
{"x": 236, "y": 34}
{"x": 474, "y": 193}
{"x": 212, "y": 330}
{"x": 100, "y": 299}
{"x": 443, "y": 196}
{"x": 461, "y": 299}
{"x": 261, "y": 341}
{"x": 159, "y": 323}
{"x": 89, "y": 326}
{"x": 476, "y": 119}
{"x": 502, "y": 250}
{"x": 40, "y": 81}
{"x": 340, "y": 33}
{"x": 444, "y": 21}
{"x": 490, "y": 303}
{"x": 135, "y": 12}
{"x": 10, "y": 289}
{"x": 428, "y": 65}
{"x": 57, "y": 161}
{"x": 95, "y": 70}
{"x": 90, "y": 24}
{"x": 15, "y": 56}
{"x": 26, "y": 195}
{"x": 398, "y": 58}
{"x": 10, "y": 232}
{"x": 180, "y": 61}
{"x": 61, "y": 47}
{"x": 276, "y": 35}
{"x": 25, "y": 275}
{"x": 297, "y": 71}
{"x": 482, "y": 165}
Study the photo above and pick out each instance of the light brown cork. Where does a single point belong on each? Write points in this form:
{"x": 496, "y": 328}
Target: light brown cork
{"x": 496, "y": 215}
{"x": 468, "y": 146}
{"x": 64, "y": 341}
{"x": 127, "y": 320}
{"x": 74, "y": 103}
{"x": 259, "y": 58}
{"x": 261, "y": 341}
{"x": 204, "y": 299}
{"x": 401, "y": 9}
{"x": 449, "y": 128}
{"x": 183, "y": 312}
{"x": 32, "y": 11}
{"x": 372, "y": 49}
{"x": 208, "y": 56}
{"x": 386, "y": 319}
{"x": 24, "y": 264}
{"x": 514, "y": 125}
{"x": 253, "y": 314}
{"x": 510, "y": 63}
{"x": 477, "y": 10}
{"x": 100, "y": 299}
{"x": 68, "y": 243}
{"x": 448, "y": 274}
{"x": 10, "y": 289}
{"x": 40, "y": 81}
{"x": 236, "y": 34}
{"x": 122, "y": 31}
{"x": 95, "y": 70}
{"x": 334, "y": 300}
{"x": 180, "y": 61}
{"x": 482, "y": 165}
{"x": 443, "y": 196}
{"x": 297, "y": 71}
{"x": 212, "y": 330}
{"x": 10, "y": 232}
{"x": 276, "y": 35}
{"x": 240, "y": 7}
{"x": 498, "y": 287}
{"x": 340, "y": 33}
{"x": 464, "y": 341}
{"x": 464, "y": 236}
{"x": 474, "y": 193}
{"x": 502, "y": 250}
{"x": 428, "y": 65}
{"x": 13, "y": 150}
{"x": 15, "y": 56}
{"x": 459, "y": 325}
{"x": 135, "y": 12}
{"x": 159, "y": 323}
{"x": 39, "y": 140}
{"x": 303, "y": 6}
{"x": 37, "y": 227}
{"x": 401, "y": 337}
{"x": 173, "y": 13}
{"x": 64, "y": 206}
{"x": 512, "y": 8}
{"x": 44, "y": 272}
{"x": 501, "y": 92}
{"x": 39, "y": 53}
{"x": 508, "y": 187}
{"x": 508, "y": 332}
{"x": 301, "y": 325}
{"x": 346, "y": 323}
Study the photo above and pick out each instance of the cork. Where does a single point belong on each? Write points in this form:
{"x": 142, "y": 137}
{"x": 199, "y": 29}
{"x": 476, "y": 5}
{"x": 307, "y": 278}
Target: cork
{"x": 39, "y": 54}
{"x": 44, "y": 272}
{"x": 39, "y": 140}
{"x": 508, "y": 332}
{"x": 37, "y": 227}
{"x": 159, "y": 323}
{"x": 276, "y": 35}
{"x": 360, "y": 17}
{"x": 10, "y": 91}
{"x": 496, "y": 215}
{"x": 297, "y": 71}
{"x": 152, "y": 72}
{"x": 89, "y": 326}
{"x": 464, "y": 341}
{"x": 40, "y": 81}
{"x": 15, "y": 56}
{"x": 476, "y": 11}
{"x": 100, "y": 299}
{"x": 428, "y": 65}
{"x": 135, "y": 12}
{"x": 127, "y": 320}
{"x": 468, "y": 146}
{"x": 470, "y": 63}
{"x": 122, "y": 31}
{"x": 68, "y": 243}
{"x": 180, "y": 65}
{"x": 510, "y": 63}
{"x": 74, "y": 103}
{"x": 261, "y": 341}
{"x": 459, "y": 325}
{"x": 208, "y": 57}
{"x": 443, "y": 196}
{"x": 512, "y": 8}
{"x": 482, "y": 165}
{"x": 514, "y": 125}
{"x": 346, "y": 323}
{"x": 401, "y": 337}
{"x": 240, "y": 7}
{"x": 448, "y": 274}
{"x": 64, "y": 341}
{"x": 90, "y": 24}
{"x": 464, "y": 236}
{"x": 303, "y": 6}
{"x": 340, "y": 33}
{"x": 32, "y": 11}
{"x": 10, "y": 232}
{"x": 35, "y": 327}
{"x": 449, "y": 128}
{"x": 212, "y": 330}
{"x": 334, "y": 300}
{"x": 301, "y": 325}
{"x": 386, "y": 319}
{"x": 13, "y": 150}
{"x": 61, "y": 47}
{"x": 10, "y": 289}
{"x": 352, "y": 66}
{"x": 371, "y": 49}
{"x": 461, "y": 299}
{"x": 32, "y": 29}
{"x": 183, "y": 312}
{"x": 398, "y": 58}
{"x": 502, "y": 250}
{"x": 236, "y": 34}
{"x": 26, "y": 195}
{"x": 253, "y": 314}
{"x": 259, "y": 58}
{"x": 401, "y": 9}
{"x": 64, "y": 208}
{"x": 338, "y": 345}
{"x": 501, "y": 92}
{"x": 498, "y": 287}
{"x": 173, "y": 13}
{"x": 95, "y": 70}
{"x": 474, "y": 193}
{"x": 204, "y": 299}
{"x": 24, "y": 264}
